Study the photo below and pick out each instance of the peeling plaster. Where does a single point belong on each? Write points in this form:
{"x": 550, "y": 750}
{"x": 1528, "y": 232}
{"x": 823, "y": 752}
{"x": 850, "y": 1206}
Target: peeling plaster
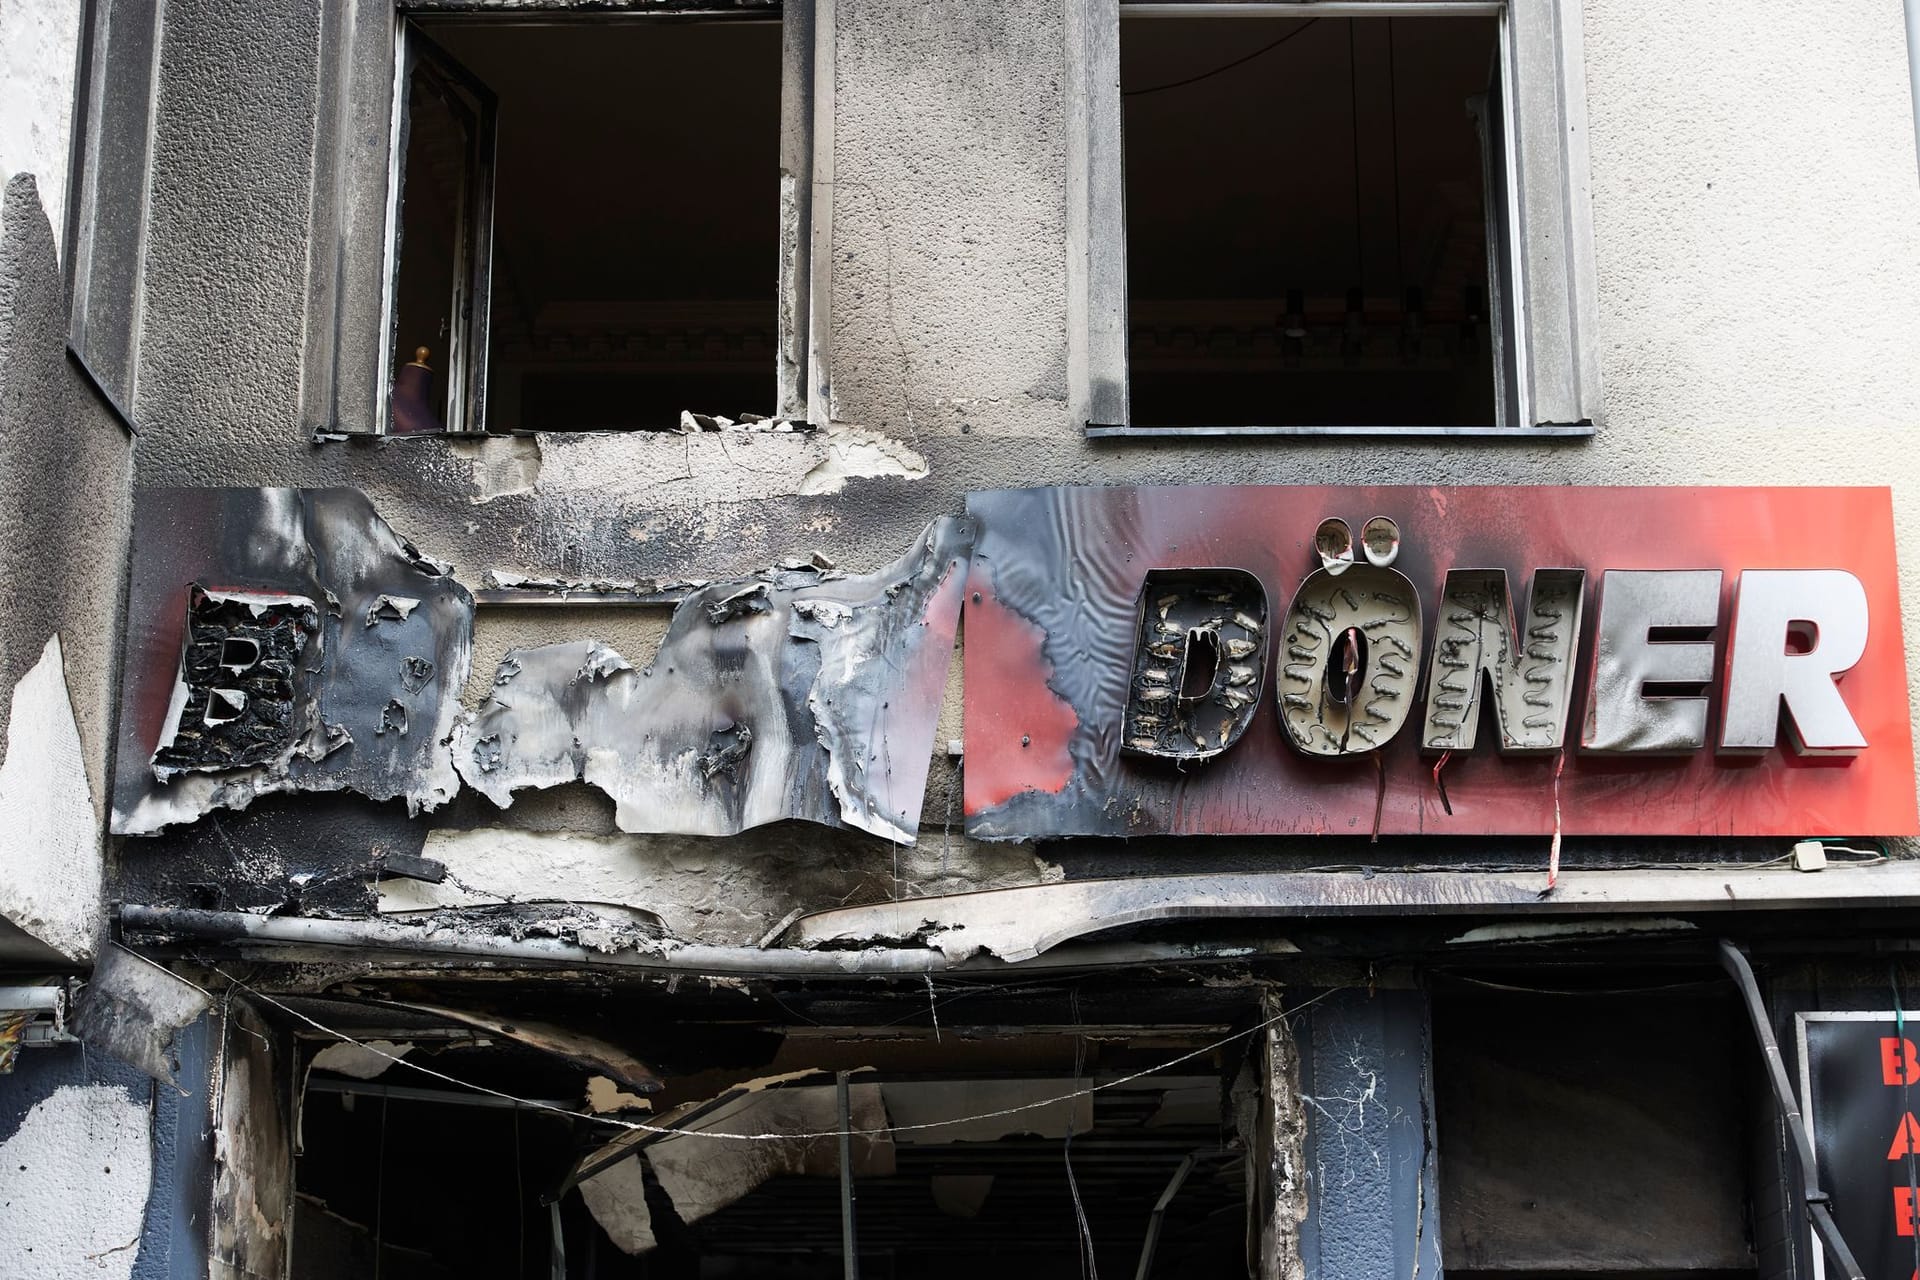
{"x": 360, "y": 1062}
{"x": 50, "y": 868}
{"x": 501, "y": 467}
{"x": 593, "y": 472}
{"x": 605, "y": 1096}
{"x": 742, "y": 462}
{"x": 574, "y": 1046}
{"x": 74, "y": 1180}
{"x": 134, "y": 1010}
{"x": 702, "y": 1176}
{"x": 854, "y": 453}
{"x": 702, "y": 891}
{"x": 617, "y": 1199}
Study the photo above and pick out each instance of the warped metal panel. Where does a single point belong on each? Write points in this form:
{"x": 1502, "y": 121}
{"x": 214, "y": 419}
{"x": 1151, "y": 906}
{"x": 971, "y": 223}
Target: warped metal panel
{"x": 283, "y": 640}
{"x": 799, "y": 693}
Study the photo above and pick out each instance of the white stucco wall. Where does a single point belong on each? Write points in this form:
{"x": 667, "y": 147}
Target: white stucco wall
{"x": 50, "y": 871}
{"x": 73, "y": 1186}
{"x": 39, "y": 54}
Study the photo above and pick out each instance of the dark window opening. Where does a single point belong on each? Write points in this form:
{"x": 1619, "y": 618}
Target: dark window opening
{"x": 1619, "y": 1131}
{"x": 612, "y": 260}
{"x": 1307, "y": 221}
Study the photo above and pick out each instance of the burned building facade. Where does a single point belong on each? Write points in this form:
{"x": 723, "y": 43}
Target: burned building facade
{"x": 859, "y": 637}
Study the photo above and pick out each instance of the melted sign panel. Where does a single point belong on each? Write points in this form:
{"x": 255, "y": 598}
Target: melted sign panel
{"x": 797, "y": 694}
{"x": 1640, "y": 612}
{"x": 283, "y": 640}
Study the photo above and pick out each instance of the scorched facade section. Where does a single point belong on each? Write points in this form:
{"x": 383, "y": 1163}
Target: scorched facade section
{"x": 702, "y": 640}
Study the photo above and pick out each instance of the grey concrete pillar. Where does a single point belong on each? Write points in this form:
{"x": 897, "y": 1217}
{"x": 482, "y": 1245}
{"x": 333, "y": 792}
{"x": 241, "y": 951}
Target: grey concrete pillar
{"x": 1366, "y": 1090}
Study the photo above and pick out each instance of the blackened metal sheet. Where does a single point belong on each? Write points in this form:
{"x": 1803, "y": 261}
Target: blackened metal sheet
{"x": 1051, "y": 623}
{"x": 800, "y": 693}
{"x": 375, "y": 686}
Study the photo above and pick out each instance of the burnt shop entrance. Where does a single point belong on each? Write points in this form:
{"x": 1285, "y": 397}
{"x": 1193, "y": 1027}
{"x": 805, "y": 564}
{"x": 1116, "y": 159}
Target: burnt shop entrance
{"x": 1030, "y": 1126}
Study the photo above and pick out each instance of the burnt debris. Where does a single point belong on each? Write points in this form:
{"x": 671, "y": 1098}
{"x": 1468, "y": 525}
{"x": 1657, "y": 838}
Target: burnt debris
{"x": 235, "y": 698}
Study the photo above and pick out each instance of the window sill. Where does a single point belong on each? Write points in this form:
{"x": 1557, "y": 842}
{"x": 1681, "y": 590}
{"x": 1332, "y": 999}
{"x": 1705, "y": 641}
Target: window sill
{"x": 1552, "y": 431}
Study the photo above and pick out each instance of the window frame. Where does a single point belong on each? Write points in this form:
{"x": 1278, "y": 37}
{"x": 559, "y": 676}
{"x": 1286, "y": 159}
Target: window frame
{"x": 469, "y": 343}
{"x": 1547, "y": 359}
{"x": 347, "y": 381}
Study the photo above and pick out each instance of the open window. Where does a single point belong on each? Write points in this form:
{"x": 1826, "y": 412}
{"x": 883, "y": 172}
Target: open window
{"x": 1307, "y": 238}
{"x": 1603, "y": 1128}
{"x": 577, "y": 246}
{"x": 1313, "y": 218}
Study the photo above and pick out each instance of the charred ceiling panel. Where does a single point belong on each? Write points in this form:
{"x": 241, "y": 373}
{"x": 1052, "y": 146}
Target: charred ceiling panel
{"x": 800, "y": 693}
{"x": 283, "y": 640}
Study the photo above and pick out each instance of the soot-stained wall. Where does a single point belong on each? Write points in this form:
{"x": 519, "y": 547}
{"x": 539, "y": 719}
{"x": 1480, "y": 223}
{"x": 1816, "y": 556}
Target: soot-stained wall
{"x": 1714, "y": 194}
{"x": 948, "y": 330}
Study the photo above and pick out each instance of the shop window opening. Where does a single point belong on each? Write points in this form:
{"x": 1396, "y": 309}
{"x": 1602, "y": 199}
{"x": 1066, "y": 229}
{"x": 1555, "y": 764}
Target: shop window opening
{"x": 588, "y": 225}
{"x": 408, "y": 1178}
{"x": 1616, "y": 1127}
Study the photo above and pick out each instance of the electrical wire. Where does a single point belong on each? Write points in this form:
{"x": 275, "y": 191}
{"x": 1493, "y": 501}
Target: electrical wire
{"x": 668, "y": 1131}
{"x": 1867, "y": 858}
{"x": 1089, "y": 1262}
{"x": 1517, "y": 989}
{"x": 1208, "y": 75}
{"x": 1353, "y": 125}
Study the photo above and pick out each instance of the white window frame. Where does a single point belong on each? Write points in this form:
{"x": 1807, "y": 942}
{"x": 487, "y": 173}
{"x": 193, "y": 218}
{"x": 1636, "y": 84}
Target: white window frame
{"x": 1550, "y": 324}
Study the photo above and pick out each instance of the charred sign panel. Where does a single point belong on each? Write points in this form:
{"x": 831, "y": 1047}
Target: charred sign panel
{"x": 801, "y": 693}
{"x": 234, "y": 703}
{"x": 1650, "y": 711}
{"x": 283, "y": 640}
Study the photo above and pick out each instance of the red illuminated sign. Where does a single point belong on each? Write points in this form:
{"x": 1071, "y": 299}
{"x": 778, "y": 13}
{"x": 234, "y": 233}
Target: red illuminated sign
{"x": 1470, "y": 661}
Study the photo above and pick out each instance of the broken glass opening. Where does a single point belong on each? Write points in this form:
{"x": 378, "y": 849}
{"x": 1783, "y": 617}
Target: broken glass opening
{"x": 972, "y": 1149}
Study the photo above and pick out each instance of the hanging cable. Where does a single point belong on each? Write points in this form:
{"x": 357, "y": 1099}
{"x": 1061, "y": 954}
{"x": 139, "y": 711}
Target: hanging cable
{"x": 1208, "y": 75}
{"x": 667, "y": 1131}
{"x": 1089, "y": 1264}
{"x": 519, "y": 1200}
{"x": 380, "y": 1193}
